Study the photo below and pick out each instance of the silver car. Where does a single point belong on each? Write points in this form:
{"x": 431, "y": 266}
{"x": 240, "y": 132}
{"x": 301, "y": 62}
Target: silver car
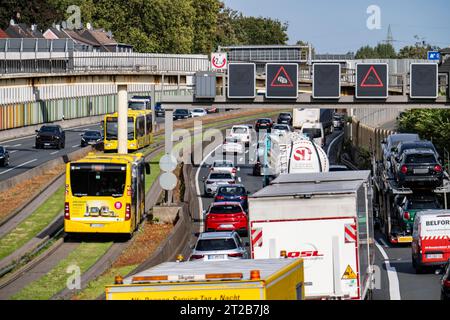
{"x": 224, "y": 166}
{"x": 214, "y": 246}
{"x": 216, "y": 179}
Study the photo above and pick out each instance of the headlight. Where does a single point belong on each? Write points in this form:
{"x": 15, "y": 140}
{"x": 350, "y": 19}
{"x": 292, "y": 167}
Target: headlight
{"x": 1, "y": 157}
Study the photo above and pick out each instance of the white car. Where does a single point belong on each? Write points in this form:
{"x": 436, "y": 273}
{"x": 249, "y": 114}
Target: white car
{"x": 314, "y": 131}
{"x": 216, "y": 246}
{"x": 241, "y": 132}
{"x": 216, "y": 179}
{"x": 224, "y": 166}
{"x": 233, "y": 145}
{"x": 199, "y": 112}
{"x": 280, "y": 129}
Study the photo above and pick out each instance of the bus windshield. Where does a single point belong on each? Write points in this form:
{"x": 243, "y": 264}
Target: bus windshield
{"x": 97, "y": 180}
{"x": 137, "y": 105}
{"x": 112, "y": 131}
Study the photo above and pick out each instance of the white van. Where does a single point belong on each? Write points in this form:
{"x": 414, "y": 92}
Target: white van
{"x": 431, "y": 239}
{"x": 315, "y": 131}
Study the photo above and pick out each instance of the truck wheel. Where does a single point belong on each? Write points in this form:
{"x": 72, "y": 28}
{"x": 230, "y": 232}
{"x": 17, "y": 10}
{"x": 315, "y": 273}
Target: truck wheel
{"x": 418, "y": 268}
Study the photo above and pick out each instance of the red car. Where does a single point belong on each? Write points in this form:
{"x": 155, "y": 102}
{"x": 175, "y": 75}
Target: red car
{"x": 226, "y": 216}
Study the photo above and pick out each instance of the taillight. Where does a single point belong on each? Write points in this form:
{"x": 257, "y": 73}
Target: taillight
{"x": 127, "y": 212}
{"x": 220, "y": 197}
{"x": 224, "y": 141}
{"x": 233, "y": 170}
{"x": 243, "y": 197}
{"x": 231, "y": 182}
{"x": 235, "y": 255}
{"x": 404, "y": 169}
{"x": 437, "y": 168}
{"x": 447, "y": 283}
{"x": 406, "y": 215}
{"x": 66, "y": 211}
{"x": 196, "y": 256}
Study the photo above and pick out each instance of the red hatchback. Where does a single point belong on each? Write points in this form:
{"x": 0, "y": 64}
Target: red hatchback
{"x": 227, "y": 216}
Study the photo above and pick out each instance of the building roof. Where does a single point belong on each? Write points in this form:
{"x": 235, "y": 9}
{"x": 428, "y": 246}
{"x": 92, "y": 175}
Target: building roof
{"x": 21, "y": 30}
{"x": 75, "y": 36}
{"x": 99, "y": 36}
{"x": 58, "y": 33}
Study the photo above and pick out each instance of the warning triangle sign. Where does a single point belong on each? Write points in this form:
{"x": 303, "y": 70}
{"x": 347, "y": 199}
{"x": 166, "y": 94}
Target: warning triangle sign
{"x": 349, "y": 274}
{"x": 372, "y": 79}
{"x": 282, "y": 79}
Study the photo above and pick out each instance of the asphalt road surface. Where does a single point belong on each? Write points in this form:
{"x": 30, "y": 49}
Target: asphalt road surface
{"x": 395, "y": 277}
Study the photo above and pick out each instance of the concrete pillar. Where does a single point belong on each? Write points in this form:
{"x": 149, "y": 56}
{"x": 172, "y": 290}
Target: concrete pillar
{"x": 168, "y": 144}
{"x": 122, "y": 119}
{"x": 152, "y": 104}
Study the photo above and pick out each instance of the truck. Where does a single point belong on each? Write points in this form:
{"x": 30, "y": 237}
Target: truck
{"x": 325, "y": 218}
{"x": 387, "y": 191}
{"x": 303, "y": 115}
{"x": 267, "y": 279}
{"x": 292, "y": 152}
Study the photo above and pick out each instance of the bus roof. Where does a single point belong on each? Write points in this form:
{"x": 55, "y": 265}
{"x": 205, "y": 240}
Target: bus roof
{"x": 131, "y": 113}
{"x": 110, "y": 158}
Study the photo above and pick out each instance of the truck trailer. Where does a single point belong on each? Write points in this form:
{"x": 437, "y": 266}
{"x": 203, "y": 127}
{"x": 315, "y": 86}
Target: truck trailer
{"x": 302, "y": 115}
{"x": 267, "y": 279}
{"x": 324, "y": 218}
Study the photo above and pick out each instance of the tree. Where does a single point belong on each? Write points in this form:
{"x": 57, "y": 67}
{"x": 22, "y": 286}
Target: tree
{"x": 381, "y": 51}
{"x": 40, "y": 12}
{"x": 365, "y": 52}
{"x": 205, "y": 25}
{"x": 260, "y": 31}
{"x": 418, "y": 51}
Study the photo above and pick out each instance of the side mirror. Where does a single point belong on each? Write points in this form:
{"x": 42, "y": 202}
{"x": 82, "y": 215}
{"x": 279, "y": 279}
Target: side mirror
{"x": 248, "y": 192}
{"x": 147, "y": 168}
{"x": 204, "y": 212}
{"x": 37, "y": 131}
{"x": 203, "y": 178}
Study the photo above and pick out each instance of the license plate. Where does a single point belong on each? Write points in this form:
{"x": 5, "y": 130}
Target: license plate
{"x": 215, "y": 257}
{"x": 405, "y": 239}
{"x": 226, "y": 226}
{"x": 46, "y": 144}
{"x": 97, "y": 225}
{"x": 434, "y": 256}
{"x": 420, "y": 171}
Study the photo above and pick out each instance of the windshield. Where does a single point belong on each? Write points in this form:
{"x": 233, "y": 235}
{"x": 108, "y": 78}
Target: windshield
{"x": 231, "y": 191}
{"x": 278, "y": 127}
{"x": 224, "y": 176}
{"x": 420, "y": 158}
{"x": 2, "y": 150}
{"x": 225, "y": 209}
{"x": 180, "y": 111}
{"x": 92, "y": 134}
{"x": 423, "y": 204}
{"x": 111, "y": 128}
{"x": 216, "y": 244}
{"x": 263, "y": 121}
{"x": 198, "y": 110}
{"x": 137, "y": 105}
{"x": 312, "y": 132}
{"x": 103, "y": 180}
{"x": 240, "y": 130}
{"x": 223, "y": 164}
{"x": 49, "y": 129}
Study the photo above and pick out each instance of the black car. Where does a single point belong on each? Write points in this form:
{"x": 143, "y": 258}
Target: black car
{"x": 418, "y": 168}
{"x": 181, "y": 114}
{"x": 285, "y": 118}
{"x": 91, "y": 138}
{"x": 159, "y": 110}
{"x": 445, "y": 283}
{"x": 50, "y": 135}
{"x": 422, "y": 144}
{"x": 4, "y": 157}
{"x": 263, "y": 124}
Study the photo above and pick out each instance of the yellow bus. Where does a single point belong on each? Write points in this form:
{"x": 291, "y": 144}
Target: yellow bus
{"x": 105, "y": 193}
{"x": 140, "y": 131}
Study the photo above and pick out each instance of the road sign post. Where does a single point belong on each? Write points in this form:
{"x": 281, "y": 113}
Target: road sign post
{"x": 241, "y": 80}
{"x": 372, "y": 80}
{"x": 326, "y": 81}
{"x": 423, "y": 79}
{"x": 282, "y": 80}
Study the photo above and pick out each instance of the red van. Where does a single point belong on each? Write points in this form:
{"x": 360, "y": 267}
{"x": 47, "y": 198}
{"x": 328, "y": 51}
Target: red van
{"x": 431, "y": 239}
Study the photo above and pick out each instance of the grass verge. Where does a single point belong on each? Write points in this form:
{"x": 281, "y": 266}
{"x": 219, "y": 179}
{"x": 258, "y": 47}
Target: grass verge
{"x": 84, "y": 256}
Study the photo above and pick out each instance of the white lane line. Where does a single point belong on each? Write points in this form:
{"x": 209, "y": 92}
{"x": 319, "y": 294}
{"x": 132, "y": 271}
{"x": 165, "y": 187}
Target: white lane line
{"x": 14, "y": 151}
{"x": 384, "y": 243}
{"x": 76, "y": 146}
{"x": 333, "y": 142}
{"x": 246, "y": 151}
{"x": 17, "y": 145}
{"x": 239, "y": 179}
{"x": 197, "y": 185}
{"x": 20, "y": 165}
{"x": 239, "y": 169}
{"x": 54, "y": 152}
{"x": 394, "y": 286}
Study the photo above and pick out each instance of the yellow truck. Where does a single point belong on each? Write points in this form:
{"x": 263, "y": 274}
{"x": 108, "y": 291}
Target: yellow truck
{"x": 265, "y": 279}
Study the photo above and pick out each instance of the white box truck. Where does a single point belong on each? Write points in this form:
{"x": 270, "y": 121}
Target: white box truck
{"x": 325, "y": 218}
{"x": 302, "y": 115}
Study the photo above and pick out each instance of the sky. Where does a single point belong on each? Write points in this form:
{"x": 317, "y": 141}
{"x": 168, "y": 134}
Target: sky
{"x": 340, "y": 26}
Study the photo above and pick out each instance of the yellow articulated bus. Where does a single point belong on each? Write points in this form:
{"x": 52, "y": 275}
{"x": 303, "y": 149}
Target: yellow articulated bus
{"x": 264, "y": 279}
{"x": 140, "y": 131}
{"x": 105, "y": 194}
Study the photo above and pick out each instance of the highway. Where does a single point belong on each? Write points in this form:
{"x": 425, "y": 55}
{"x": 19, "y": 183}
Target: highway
{"x": 24, "y": 156}
{"x": 396, "y": 278}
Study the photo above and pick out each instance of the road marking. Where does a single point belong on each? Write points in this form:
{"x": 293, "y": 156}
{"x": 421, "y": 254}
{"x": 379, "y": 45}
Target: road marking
{"x": 384, "y": 243}
{"x": 246, "y": 151}
{"x": 20, "y": 165}
{"x": 197, "y": 185}
{"x": 394, "y": 287}
{"x": 76, "y": 146}
{"x": 239, "y": 169}
{"x": 17, "y": 145}
{"x": 239, "y": 179}
{"x": 54, "y": 152}
{"x": 332, "y": 142}
{"x": 14, "y": 151}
